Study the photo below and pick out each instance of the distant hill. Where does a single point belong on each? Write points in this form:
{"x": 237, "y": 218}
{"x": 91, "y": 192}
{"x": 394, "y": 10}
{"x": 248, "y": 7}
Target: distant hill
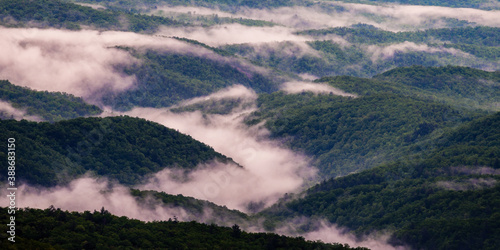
{"x": 63, "y": 14}
{"x": 467, "y": 85}
{"x": 49, "y": 106}
{"x": 447, "y": 199}
{"x": 363, "y": 50}
{"x": 479, "y": 4}
{"x": 456, "y": 86}
{"x": 121, "y": 148}
{"x": 222, "y": 4}
{"x": 164, "y": 79}
{"x": 54, "y": 228}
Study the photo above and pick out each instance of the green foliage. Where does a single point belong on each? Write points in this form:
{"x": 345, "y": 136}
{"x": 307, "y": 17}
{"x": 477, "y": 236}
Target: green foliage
{"x": 194, "y": 208}
{"x": 470, "y": 86}
{"x": 222, "y": 107}
{"x": 363, "y": 57}
{"x": 480, "y": 4}
{"x": 61, "y": 14}
{"x": 58, "y": 14}
{"x": 49, "y": 106}
{"x": 449, "y": 198}
{"x": 165, "y": 79}
{"x": 221, "y": 4}
{"x": 351, "y": 134}
{"x": 209, "y": 20}
{"x": 121, "y": 148}
{"x": 54, "y": 228}
{"x": 216, "y": 50}
{"x": 368, "y": 34}
{"x": 481, "y": 51}
{"x": 372, "y": 51}
{"x": 459, "y": 87}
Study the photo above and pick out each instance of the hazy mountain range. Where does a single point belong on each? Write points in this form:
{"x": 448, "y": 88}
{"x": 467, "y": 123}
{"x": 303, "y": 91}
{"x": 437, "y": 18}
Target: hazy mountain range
{"x": 227, "y": 124}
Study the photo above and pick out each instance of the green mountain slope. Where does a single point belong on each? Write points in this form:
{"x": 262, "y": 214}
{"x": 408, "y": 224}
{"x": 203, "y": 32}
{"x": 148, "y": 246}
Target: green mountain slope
{"x": 62, "y": 14}
{"x": 370, "y": 51}
{"x": 221, "y": 4}
{"x": 121, "y": 148}
{"x": 368, "y": 34}
{"x": 470, "y": 86}
{"x": 55, "y": 229}
{"x": 350, "y": 134}
{"x": 456, "y": 86}
{"x": 196, "y": 210}
{"x": 47, "y": 105}
{"x": 166, "y": 78}
{"x": 480, "y": 4}
{"x": 449, "y": 199}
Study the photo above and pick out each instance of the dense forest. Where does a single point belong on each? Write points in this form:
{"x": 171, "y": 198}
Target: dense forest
{"x": 56, "y": 229}
{"x": 121, "y": 148}
{"x": 371, "y": 51}
{"x": 195, "y": 209}
{"x": 456, "y": 86}
{"x": 368, "y": 34}
{"x": 454, "y": 185}
{"x": 482, "y": 4}
{"x": 348, "y": 134}
{"x": 222, "y": 4}
{"x": 413, "y": 153}
{"x": 63, "y": 14}
{"x": 49, "y": 106}
{"x": 477, "y": 88}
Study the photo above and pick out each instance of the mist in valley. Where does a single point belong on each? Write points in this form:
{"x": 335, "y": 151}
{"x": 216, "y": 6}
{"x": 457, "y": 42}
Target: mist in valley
{"x": 90, "y": 64}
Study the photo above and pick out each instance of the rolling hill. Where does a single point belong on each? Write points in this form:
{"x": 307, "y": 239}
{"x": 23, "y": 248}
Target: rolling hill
{"x": 121, "y": 148}
{"x": 447, "y": 199}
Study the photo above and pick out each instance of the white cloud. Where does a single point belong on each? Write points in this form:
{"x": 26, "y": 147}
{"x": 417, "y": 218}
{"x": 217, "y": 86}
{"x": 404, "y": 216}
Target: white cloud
{"x": 234, "y": 34}
{"x": 385, "y": 52}
{"x": 269, "y": 169}
{"x": 317, "y": 88}
{"x": 9, "y": 111}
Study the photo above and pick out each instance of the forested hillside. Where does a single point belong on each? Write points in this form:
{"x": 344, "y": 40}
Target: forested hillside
{"x": 49, "y": 106}
{"x": 54, "y": 228}
{"x": 449, "y": 199}
{"x": 456, "y": 86}
{"x": 348, "y": 134}
{"x": 64, "y": 14}
{"x": 462, "y": 85}
{"x": 369, "y": 122}
{"x": 486, "y": 4}
{"x": 195, "y": 209}
{"x": 223, "y": 4}
{"x": 164, "y": 79}
{"x": 368, "y": 34}
{"x": 120, "y": 148}
{"x": 368, "y": 50}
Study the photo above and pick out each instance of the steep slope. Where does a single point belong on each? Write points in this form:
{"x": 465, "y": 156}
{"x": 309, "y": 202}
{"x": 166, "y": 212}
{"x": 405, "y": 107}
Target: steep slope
{"x": 47, "y": 105}
{"x": 449, "y": 199}
{"x": 53, "y": 228}
{"x": 121, "y": 148}
{"x": 347, "y": 134}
